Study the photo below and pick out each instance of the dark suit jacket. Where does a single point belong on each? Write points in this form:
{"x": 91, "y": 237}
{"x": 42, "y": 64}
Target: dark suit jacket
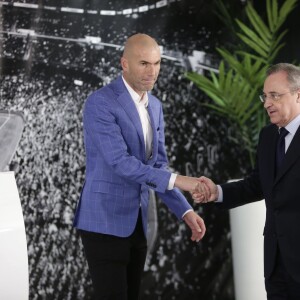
{"x": 282, "y": 198}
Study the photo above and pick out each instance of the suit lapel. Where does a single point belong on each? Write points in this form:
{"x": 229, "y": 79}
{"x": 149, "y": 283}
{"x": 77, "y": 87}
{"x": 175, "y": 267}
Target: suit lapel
{"x": 125, "y": 101}
{"x": 292, "y": 154}
{"x": 154, "y": 129}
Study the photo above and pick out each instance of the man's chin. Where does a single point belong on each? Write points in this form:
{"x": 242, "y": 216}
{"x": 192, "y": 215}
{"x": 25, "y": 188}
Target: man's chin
{"x": 148, "y": 87}
{"x": 273, "y": 120}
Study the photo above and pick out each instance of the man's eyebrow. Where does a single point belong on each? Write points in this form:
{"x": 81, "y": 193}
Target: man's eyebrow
{"x": 271, "y": 92}
{"x": 147, "y": 62}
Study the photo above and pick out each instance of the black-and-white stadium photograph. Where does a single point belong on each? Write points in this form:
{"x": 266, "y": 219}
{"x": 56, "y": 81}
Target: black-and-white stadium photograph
{"x": 53, "y": 56}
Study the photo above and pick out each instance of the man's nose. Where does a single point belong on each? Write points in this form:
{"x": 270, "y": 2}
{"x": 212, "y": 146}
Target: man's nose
{"x": 151, "y": 69}
{"x": 268, "y": 102}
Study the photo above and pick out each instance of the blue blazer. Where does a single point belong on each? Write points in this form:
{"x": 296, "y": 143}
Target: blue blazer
{"x": 118, "y": 175}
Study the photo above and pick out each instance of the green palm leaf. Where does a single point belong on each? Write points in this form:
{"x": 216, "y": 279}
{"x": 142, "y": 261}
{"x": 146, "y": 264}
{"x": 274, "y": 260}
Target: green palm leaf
{"x": 235, "y": 88}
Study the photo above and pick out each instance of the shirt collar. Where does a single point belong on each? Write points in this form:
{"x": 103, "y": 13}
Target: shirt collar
{"x": 293, "y": 125}
{"x": 138, "y": 100}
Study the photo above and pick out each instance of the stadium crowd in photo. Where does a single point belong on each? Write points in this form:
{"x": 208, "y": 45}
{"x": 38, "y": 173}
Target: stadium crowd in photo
{"x": 53, "y": 54}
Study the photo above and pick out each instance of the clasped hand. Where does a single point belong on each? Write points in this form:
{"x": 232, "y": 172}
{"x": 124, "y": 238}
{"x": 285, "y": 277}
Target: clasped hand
{"x": 205, "y": 191}
{"x": 202, "y": 189}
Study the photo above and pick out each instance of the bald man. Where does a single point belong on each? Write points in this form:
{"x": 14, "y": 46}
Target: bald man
{"x": 125, "y": 157}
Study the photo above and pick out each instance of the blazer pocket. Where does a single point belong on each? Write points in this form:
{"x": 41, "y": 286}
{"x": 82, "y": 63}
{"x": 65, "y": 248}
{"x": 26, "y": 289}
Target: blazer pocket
{"x": 99, "y": 186}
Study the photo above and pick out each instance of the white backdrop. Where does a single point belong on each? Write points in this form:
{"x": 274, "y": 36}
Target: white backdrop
{"x": 247, "y": 224}
{"x": 13, "y": 250}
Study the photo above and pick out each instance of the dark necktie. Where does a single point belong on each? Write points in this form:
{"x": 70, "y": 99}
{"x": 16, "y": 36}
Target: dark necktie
{"x": 280, "y": 151}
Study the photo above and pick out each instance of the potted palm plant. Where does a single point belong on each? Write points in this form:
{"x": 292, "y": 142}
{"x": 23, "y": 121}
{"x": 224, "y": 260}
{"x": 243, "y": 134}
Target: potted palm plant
{"x": 234, "y": 91}
{"x": 235, "y": 88}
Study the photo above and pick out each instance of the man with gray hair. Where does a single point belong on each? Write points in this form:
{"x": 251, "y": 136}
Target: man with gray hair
{"x": 275, "y": 178}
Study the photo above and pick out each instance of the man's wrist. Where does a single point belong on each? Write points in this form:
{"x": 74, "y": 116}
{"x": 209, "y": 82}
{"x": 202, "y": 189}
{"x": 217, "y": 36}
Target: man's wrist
{"x": 186, "y": 212}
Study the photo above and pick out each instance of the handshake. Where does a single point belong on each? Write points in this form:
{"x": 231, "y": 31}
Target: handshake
{"x": 202, "y": 189}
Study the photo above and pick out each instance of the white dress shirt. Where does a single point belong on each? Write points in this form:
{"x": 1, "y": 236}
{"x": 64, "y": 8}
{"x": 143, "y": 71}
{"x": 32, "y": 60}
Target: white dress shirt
{"x": 141, "y": 104}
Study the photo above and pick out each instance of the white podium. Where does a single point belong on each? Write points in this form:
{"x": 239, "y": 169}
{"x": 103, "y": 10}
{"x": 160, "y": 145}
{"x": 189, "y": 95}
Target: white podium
{"x": 13, "y": 250}
{"x": 247, "y": 224}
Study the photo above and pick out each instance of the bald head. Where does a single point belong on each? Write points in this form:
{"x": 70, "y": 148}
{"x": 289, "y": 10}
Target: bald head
{"x": 141, "y": 62}
{"x": 139, "y": 42}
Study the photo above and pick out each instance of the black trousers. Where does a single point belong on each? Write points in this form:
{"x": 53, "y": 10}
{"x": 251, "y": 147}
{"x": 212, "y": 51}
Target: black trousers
{"x": 280, "y": 285}
{"x": 116, "y": 264}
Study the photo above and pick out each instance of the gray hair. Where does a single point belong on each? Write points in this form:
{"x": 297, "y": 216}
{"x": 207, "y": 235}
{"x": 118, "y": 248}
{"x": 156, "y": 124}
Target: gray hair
{"x": 292, "y": 71}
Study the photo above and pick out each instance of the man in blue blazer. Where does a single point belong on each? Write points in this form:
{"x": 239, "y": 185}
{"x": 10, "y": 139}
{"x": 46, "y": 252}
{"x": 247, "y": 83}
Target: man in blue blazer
{"x": 276, "y": 182}
{"x": 125, "y": 157}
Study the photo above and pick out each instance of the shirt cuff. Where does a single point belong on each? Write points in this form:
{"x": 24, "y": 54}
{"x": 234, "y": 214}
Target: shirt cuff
{"x": 172, "y": 181}
{"x": 186, "y": 212}
{"x": 220, "y": 197}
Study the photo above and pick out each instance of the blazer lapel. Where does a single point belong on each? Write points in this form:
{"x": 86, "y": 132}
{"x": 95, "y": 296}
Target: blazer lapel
{"x": 154, "y": 129}
{"x": 292, "y": 154}
{"x": 125, "y": 101}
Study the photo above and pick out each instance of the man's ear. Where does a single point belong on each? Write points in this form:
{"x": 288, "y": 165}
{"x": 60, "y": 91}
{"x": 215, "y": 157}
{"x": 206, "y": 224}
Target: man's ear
{"x": 298, "y": 96}
{"x": 124, "y": 63}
